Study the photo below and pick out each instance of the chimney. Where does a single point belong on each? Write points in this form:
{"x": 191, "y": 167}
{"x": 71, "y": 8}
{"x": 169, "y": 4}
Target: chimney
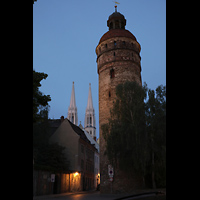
{"x": 62, "y": 118}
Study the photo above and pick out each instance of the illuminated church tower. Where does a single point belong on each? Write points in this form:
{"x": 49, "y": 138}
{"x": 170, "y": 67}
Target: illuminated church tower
{"x": 118, "y": 61}
{"x": 72, "y": 110}
{"x": 90, "y": 122}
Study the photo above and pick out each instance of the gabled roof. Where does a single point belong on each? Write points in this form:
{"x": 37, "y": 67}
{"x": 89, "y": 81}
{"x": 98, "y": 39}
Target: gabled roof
{"x": 92, "y": 140}
{"x": 79, "y": 131}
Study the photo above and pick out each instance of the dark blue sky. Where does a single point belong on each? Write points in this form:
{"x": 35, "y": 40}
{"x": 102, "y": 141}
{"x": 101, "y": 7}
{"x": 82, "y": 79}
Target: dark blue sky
{"x": 66, "y": 33}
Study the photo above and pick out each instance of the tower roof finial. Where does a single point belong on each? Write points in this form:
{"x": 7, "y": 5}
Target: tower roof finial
{"x": 116, "y": 5}
{"x": 115, "y": 8}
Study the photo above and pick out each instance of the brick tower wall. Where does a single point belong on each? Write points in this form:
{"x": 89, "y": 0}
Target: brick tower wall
{"x": 118, "y": 61}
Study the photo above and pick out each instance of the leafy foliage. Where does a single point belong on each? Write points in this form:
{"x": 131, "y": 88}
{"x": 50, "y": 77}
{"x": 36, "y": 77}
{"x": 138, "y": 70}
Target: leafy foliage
{"x": 40, "y": 101}
{"x": 51, "y": 157}
{"x": 125, "y": 134}
{"x": 136, "y": 130}
{"x": 46, "y": 156}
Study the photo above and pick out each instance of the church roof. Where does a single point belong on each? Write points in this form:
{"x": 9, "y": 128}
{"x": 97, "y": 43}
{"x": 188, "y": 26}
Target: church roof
{"x": 117, "y": 33}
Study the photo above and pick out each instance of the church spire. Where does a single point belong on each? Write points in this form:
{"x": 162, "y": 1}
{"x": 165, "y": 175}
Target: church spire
{"x": 72, "y": 110}
{"x": 89, "y": 102}
{"x": 90, "y": 122}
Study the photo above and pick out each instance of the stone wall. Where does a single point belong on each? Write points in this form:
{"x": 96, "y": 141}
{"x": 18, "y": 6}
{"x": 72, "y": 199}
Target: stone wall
{"x": 118, "y": 61}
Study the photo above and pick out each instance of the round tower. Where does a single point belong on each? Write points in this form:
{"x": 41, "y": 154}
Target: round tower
{"x": 118, "y": 61}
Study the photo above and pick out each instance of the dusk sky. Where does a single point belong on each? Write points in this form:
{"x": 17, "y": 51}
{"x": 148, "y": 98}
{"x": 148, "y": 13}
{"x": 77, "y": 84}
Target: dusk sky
{"x": 66, "y": 33}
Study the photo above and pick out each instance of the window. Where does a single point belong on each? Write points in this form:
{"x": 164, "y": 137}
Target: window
{"x": 112, "y": 73}
{"x": 114, "y": 53}
{"x": 122, "y": 25}
{"x": 116, "y": 23}
{"x": 72, "y": 118}
{"x": 111, "y": 25}
{"x": 109, "y": 94}
{"x": 90, "y": 120}
{"x": 106, "y": 45}
{"x": 124, "y": 42}
{"x": 115, "y": 43}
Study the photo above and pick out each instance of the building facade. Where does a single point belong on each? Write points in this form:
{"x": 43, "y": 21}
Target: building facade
{"x": 118, "y": 61}
{"x": 79, "y": 151}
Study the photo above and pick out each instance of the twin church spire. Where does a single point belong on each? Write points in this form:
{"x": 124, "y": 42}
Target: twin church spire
{"x": 90, "y": 122}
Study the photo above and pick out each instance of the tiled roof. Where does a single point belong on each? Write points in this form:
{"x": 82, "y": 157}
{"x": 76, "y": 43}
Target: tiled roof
{"x": 117, "y": 33}
{"x": 79, "y": 131}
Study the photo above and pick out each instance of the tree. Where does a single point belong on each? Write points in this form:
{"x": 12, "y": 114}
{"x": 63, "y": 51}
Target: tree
{"x": 125, "y": 133}
{"x": 52, "y": 158}
{"x": 46, "y": 156}
{"x": 136, "y": 132}
{"x": 156, "y": 128}
{"x": 40, "y": 101}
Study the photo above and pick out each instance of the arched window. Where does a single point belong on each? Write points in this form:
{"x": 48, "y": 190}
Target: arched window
{"x": 72, "y": 118}
{"x": 117, "y": 24}
{"x": 90, "y": 120}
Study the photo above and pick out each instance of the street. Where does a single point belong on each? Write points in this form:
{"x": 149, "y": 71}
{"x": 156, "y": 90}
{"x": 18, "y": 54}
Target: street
{"x": 95, "y": 195}
{"x": 79, "y": 196}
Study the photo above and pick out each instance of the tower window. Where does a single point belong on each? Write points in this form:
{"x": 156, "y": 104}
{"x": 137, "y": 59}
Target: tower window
{"x": 90, "y": 120}
{"x": 122, "y": 25}
{"x": 111, "y": 25}
{"x": 109, "y": 94}
{"x": 117, "y": 24}
{"x": 115, "y": 43}
{"x": 106, "y": 45}
{"x": 112, "y": 73}
{"x": 114, "y": 53}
